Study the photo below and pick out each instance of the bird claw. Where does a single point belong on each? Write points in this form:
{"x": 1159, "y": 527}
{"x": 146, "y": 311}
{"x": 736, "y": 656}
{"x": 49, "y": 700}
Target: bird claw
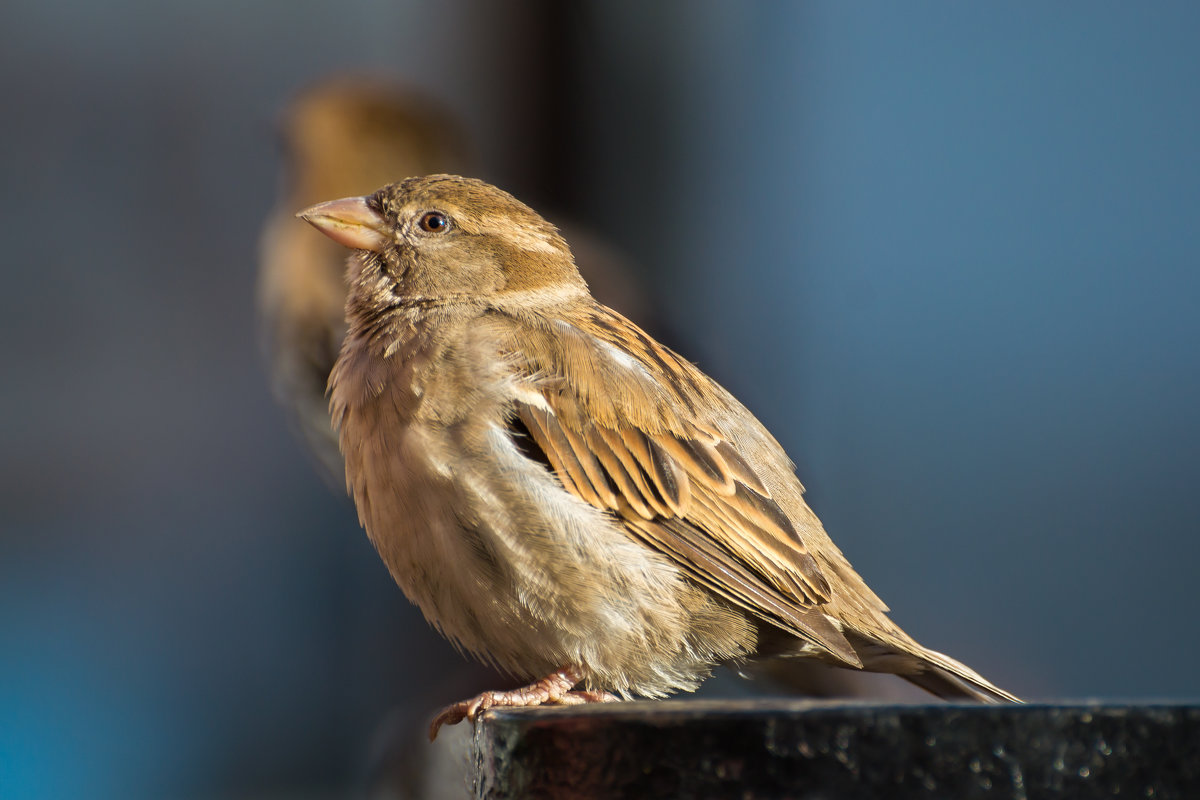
{"x": 554, "y": 689}
{"x": 581, "y": 697}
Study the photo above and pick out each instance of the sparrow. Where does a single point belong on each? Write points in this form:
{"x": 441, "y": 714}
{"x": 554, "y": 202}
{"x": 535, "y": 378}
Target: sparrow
{"x": 561, "y": 495}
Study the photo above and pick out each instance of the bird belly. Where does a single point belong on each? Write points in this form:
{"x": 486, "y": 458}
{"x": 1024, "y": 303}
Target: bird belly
{"x": 514, "y": 569}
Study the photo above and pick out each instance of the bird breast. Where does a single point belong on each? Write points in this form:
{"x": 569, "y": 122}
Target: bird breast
{"x": 485, "y": 540}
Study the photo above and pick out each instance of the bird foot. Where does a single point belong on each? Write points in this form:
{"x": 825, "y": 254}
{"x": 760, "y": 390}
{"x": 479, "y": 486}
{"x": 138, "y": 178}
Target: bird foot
{"x": 554, "y": 689}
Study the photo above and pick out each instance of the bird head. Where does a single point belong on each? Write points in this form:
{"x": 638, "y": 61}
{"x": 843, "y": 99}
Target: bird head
{"x": 443, "y": 239}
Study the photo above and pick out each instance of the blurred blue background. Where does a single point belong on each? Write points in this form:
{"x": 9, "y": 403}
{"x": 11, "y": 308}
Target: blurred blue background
{"x": 947, "y": 252}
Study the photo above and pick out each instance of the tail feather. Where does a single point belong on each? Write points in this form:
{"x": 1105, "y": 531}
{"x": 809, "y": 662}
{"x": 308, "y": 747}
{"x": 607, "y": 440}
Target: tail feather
{"x": 941, "y": 675}
{"x": 935, "y": 672}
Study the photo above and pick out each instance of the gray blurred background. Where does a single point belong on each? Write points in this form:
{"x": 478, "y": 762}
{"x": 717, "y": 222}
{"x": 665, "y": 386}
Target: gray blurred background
{"x": 947, "y": 252}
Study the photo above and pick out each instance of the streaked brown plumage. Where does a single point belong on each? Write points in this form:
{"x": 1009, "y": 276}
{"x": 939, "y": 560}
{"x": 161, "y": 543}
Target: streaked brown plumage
{"x": 560, "y": 494}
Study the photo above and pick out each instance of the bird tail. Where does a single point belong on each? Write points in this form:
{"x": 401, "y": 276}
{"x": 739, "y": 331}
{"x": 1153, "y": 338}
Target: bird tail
{"x": 941, "y": 675}
{"x": 935, "y": 672}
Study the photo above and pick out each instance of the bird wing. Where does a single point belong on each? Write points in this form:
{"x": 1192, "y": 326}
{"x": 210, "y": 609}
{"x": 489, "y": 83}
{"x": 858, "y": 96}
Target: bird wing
{"x": 621, "y": 421}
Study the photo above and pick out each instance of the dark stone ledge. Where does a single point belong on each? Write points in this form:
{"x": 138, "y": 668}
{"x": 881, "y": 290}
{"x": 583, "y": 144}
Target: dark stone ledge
{"x": 820, "y": 749}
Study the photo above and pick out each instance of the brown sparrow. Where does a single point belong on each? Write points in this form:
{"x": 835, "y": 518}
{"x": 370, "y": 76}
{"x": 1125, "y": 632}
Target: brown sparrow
{"x": 563, "y": 496}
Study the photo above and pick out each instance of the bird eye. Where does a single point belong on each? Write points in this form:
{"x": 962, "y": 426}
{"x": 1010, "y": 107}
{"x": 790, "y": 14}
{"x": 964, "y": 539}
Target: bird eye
{"x": 434, "y": 222}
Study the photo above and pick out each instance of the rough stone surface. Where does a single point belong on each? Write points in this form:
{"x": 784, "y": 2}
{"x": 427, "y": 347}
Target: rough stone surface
{"x": 818, "y": 749}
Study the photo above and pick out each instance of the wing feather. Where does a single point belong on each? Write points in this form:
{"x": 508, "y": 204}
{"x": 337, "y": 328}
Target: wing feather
{"x": 554, "y": 443}
{"x": 676, "y": 483}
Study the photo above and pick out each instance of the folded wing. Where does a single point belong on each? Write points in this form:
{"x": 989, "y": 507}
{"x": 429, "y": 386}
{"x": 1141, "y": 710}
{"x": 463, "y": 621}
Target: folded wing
{"x": 673, "y": 480}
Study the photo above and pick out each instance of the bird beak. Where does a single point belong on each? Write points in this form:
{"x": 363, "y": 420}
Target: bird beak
{"x": 349, "y": 221}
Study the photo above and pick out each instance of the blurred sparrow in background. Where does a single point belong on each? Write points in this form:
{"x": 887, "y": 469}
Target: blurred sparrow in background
{"x": 345, "y": 135}
{"x": 561, "y": 495}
